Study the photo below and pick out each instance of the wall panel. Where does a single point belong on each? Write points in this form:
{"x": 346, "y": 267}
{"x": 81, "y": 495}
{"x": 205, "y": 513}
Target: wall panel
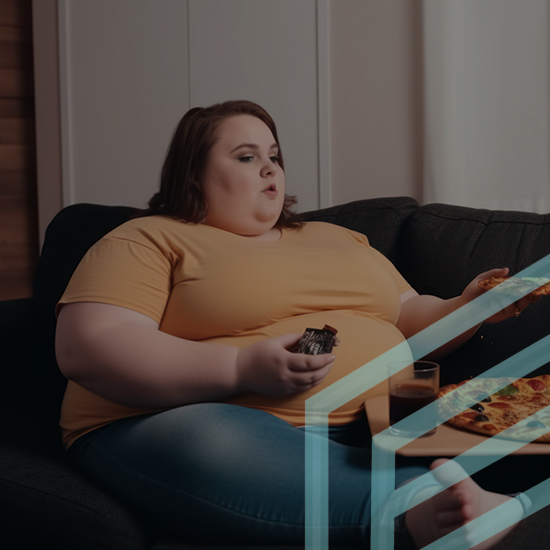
{"x": 123, "y": 71}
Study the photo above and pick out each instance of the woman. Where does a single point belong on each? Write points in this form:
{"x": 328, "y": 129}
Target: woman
{"x": 177, "y": 330}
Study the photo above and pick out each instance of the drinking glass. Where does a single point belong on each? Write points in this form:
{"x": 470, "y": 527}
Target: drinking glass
{"x": 412, "y": 386}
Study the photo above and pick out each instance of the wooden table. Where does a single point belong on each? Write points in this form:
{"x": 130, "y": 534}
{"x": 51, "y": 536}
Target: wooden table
{"x": 448, "y": 441}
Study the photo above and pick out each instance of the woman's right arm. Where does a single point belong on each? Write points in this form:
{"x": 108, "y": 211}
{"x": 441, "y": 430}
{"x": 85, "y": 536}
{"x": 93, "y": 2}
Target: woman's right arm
{"x": 122, "y": 355}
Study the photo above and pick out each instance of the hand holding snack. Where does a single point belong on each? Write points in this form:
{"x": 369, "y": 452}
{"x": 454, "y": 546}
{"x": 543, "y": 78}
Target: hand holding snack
{"x": 270, "y": 367}
{"x": 317, "y": 341}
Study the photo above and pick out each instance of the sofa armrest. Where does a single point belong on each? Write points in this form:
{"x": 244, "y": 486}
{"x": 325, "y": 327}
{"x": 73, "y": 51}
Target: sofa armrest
{"x": 46, "y": 502}
{"x": 16, "y": 333}
{"x": 15, "y": 316}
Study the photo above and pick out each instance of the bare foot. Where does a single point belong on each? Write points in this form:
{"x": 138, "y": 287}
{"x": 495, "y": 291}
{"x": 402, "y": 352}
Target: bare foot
{"x": 452, "y": 508}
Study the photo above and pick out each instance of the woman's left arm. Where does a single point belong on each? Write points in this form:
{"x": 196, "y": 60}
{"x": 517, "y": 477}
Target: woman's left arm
{"x": 420, "y": 311}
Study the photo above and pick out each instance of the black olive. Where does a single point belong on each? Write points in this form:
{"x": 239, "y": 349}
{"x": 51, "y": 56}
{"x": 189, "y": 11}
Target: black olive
{"x": 536, "y": 424}
{"x": 478, "y": 408}
{"x": 484, "y": 398}
{"x": 481, "y": 418}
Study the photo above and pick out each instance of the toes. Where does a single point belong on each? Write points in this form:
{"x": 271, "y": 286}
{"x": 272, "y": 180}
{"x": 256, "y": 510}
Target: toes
{"x": 450, "y": 518}
{"x": 468, "y": 512}
{"x": 448, "y": 472}
{"x": 454, "y": 510}
{"x": 438, "y": 462}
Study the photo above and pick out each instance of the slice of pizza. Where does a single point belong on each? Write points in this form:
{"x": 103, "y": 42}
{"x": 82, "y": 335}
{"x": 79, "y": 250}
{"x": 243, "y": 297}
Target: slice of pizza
{"x": 533, "y": 286}
{"x": 477, "y": 407}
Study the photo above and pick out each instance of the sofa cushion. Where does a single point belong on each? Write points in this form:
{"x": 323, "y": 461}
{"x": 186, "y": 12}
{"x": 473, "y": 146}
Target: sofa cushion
{"x": 52, "y": 506}
{"x": 445, "y": 247}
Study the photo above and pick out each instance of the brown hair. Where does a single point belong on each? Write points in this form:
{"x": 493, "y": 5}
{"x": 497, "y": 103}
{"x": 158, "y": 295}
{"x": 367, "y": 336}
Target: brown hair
{"x": 180, "y": 194}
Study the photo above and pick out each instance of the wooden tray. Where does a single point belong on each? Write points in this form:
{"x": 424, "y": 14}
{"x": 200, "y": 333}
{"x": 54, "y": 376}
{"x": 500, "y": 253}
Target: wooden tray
{"x": 447, "y": 441}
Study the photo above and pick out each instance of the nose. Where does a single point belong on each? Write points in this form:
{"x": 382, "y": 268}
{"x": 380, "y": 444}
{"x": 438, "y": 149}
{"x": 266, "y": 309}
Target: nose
{"x": 269, "y": 169}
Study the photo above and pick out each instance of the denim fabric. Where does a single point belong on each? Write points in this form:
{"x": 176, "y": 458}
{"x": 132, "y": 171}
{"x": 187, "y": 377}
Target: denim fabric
{"x": 217, "y": 473}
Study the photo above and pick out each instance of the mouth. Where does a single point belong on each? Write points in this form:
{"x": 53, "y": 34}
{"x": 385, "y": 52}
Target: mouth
{"x": 271, "y": 190}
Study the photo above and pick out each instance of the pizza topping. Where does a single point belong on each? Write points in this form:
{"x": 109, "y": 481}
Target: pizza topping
{"x": 508, "y": 390}
{"x": 536, "y": 385}
{"x": 536, "y": 424}
{"x": 536, "y": 281}
{"x": 484, "y": 398}
{"x": 489, "y": 427}
{"x": 481, "y": 418}
{"x": 478, "y": 407}
{"x": 471, "y": 415}
{"x": 499, "y": 405}
{"x": 506, "y": 397}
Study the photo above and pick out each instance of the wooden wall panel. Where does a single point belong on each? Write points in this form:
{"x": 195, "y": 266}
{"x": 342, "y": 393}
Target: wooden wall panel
{"x": 16, "y": 232}
{"x": 18, "y": 107}
{"x": 18, "y": 215}
{"x": 15, "y": 13}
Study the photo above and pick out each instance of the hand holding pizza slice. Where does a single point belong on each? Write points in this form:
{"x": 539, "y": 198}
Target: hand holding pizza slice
{"x": 528, "y": 290}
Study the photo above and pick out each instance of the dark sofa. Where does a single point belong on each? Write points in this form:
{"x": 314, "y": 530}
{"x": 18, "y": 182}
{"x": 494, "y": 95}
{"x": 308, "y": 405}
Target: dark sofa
{"x": 45, "y": 503}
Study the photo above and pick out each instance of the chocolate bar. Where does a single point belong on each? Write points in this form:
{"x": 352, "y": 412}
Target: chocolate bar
{"x": 316, "y": 341}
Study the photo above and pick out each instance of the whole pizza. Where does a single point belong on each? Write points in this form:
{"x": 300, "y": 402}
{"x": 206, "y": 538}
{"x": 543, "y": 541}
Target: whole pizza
{"x": 477, "y": 407}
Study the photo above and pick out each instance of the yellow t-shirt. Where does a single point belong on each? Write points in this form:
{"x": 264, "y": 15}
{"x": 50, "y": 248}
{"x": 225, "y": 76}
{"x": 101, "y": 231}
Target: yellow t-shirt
{"x": 206, "y": 284}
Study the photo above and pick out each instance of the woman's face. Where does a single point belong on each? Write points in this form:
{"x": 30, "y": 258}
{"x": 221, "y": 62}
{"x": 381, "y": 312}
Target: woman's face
{"x": 243, "y": 184}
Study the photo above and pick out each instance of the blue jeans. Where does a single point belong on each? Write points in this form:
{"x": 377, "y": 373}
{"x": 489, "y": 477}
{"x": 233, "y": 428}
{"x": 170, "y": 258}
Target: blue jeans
{"x": 216, "y": 473}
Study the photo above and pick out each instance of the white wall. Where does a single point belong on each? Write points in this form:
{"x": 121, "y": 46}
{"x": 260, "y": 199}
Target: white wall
{"x": 376, "y": 98}
{"x": 487, "y": 88}
{"x": 124, "y": 85}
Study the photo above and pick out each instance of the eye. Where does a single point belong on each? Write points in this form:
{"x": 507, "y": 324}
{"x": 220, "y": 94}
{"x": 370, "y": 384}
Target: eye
{"x": 246, "y": 159}
{"x": 275, "y": 159}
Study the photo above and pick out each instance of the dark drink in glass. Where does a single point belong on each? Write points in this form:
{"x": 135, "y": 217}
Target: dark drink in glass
{"x": 406, "y": 399}
{"x": 411, "y": 389}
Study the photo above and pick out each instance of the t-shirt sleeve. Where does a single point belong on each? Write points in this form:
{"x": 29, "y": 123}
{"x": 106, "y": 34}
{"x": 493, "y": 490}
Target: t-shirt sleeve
{"x": 124, "y": 273}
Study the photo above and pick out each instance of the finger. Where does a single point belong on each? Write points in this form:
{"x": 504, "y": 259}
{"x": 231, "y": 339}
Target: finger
{"x": 525, "y": 302}
{"x": 498, "y": 272}
{"x": 312, "y": 378}
{"x": 302, "y": 385}
{"x": 305, "y": 387}
{"x": 289, "y": 340}
{"x": 305, "y": 363}
{"x": 528, "y": 300}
